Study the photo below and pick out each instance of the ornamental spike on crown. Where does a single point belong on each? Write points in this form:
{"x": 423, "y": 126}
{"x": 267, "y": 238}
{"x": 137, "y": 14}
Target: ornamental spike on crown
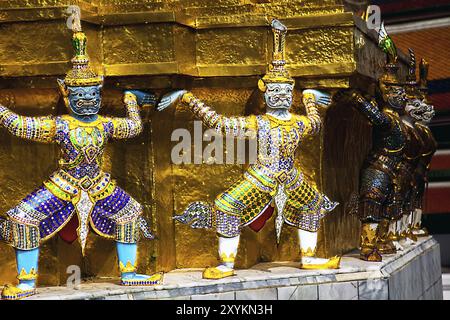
{"x": 411, "y": 80}
{"x": 81, "y": 73}
{"x": 277, "y": 71}
{"x": 412, "y": 67}
{"x": 423, "y": 70}
{"x": 386, "y": 43}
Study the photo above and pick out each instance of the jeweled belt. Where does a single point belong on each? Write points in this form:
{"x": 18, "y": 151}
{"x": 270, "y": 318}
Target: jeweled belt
{"x": 70, "y": 184}
{"x": 279, "y": 175}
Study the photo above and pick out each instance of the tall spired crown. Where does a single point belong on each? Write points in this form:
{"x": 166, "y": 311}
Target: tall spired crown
{"x": 386, "y": 43}
{"x": 277, "y": 71}
{"x": 423, "y": 68}
{"x": 411, "y": 80}
{"x": 81, "y": 73}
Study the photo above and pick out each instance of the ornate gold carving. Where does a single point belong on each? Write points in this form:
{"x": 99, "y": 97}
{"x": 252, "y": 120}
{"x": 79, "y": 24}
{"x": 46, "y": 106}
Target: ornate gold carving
{"x": 370, "y": 254}
{"x": 384, "y": 244}
{"x": 393, "y": 236}
{"x": 128, "y": 267}
{"x": 227, "y": 258}
{"x": 309, "y": 252}
{"x": 368, "y": 235}
{"x": 23, "y": 275}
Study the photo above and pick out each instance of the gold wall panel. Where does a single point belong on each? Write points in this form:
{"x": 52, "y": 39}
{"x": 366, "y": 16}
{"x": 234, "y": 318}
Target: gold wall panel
{"x": 138, "y": 44}
{"x": 320, "y": 46}
{"x": 242, "y": 46}
{"x": 46, "y": 52}
{"x": 48, "y": 42}
{"x": 33, "y": 3}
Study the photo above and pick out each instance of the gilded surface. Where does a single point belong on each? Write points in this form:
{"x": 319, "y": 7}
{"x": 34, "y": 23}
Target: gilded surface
{"x": 216, "y": 49}
{"x": 138, "y": 44}
{"x": 232, "y": 46}
{"x": 229, "y": 38}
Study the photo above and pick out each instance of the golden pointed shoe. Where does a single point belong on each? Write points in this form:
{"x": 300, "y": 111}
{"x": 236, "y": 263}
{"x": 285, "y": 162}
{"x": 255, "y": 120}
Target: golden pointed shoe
{"x": 386, "y": 247}
{"x": 420, "y": 232}
{"x": 332, "y": 263}
{"x": 11, "y": 292}
{"x": 412, "y": 236}
{"x": 370, "y": 254}
{"x": 215, "y": 273}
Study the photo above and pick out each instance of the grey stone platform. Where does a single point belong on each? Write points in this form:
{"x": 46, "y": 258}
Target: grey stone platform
{"x": 414, "y": 273}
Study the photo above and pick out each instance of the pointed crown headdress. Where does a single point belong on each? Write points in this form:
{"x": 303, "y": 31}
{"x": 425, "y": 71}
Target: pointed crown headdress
{"x": 423, "y": 72}
{"x": 277, "y": 72}
{"x": 81, "y": 73}
{"x": 411, "y": 79}
{"x": 386, "y": 43}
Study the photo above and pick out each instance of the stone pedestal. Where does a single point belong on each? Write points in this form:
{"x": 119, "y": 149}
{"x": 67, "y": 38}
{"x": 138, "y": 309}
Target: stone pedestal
{"x": 414, "y": 273}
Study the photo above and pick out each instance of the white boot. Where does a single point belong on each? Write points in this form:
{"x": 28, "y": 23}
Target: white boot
{"x": 394, "y": 233}
{"x": 308, "y": 245}
{"x": 405, "y": 241}
{"x": 410, "y": 227}
{"x": 227, "y": 252}
{"x": 417, "y": 227}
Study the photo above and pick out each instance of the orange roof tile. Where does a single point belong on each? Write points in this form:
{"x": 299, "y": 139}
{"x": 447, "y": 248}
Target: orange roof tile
{"x": 432, "y": 44}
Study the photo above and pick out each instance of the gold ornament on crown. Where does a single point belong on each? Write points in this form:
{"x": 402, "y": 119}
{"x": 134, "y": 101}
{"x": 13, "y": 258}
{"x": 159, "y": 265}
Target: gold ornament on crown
{"x": 277, "y": 72}
{"x": 423, "y": 79}
{"x": 81, "y": 73}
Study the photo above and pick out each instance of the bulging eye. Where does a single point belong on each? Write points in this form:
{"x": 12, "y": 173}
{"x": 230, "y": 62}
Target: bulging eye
{"x": 80, "y": 94}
